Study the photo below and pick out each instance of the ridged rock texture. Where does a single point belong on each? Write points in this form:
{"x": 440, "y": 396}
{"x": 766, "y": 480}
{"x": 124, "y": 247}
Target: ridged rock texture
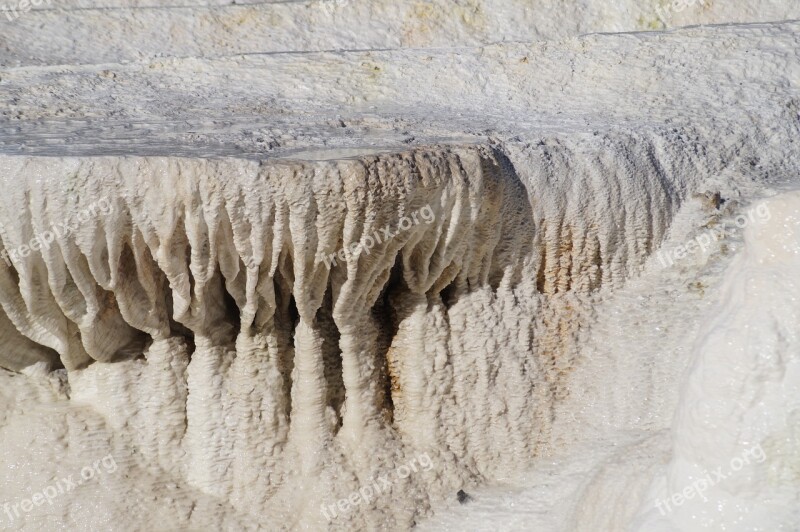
{"x": 195, "y": 305}
{"x": 266, "y": 255}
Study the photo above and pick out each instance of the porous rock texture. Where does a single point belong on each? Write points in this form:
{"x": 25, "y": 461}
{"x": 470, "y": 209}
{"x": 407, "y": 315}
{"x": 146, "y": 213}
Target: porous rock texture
{"x": 186, "y": 316}
{"x": 138, "y": 29}
{"x": 198, "y": 315}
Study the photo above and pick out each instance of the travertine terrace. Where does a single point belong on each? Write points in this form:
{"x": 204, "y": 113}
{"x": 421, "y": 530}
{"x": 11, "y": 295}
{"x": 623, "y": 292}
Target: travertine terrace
{"x": 321, "y": 265}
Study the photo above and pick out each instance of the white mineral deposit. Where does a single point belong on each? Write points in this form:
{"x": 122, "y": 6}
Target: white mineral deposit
{"x": 441, "y": 265}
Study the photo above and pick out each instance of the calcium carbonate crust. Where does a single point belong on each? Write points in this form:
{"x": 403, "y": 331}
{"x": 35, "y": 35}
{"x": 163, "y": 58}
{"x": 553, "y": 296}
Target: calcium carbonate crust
{"x": 198, "y": 313}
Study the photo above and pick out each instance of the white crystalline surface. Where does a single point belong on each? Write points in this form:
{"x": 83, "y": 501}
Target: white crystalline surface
{"x": 322, "y": 265}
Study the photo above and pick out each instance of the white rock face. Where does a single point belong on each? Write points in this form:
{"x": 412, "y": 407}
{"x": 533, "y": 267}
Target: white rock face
{"x": 120, "y": 31}
{"x": 198, "y": 309}
{"x": 735, "y": 439}
{"x": 253, "y": 281}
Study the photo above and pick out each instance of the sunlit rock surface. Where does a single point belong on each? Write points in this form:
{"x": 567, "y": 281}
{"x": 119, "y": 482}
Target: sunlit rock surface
{"x": 322, "y": 265}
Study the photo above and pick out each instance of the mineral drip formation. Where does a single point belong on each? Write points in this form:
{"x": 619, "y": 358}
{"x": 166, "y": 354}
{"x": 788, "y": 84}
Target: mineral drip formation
{"x": 276, "y": 334}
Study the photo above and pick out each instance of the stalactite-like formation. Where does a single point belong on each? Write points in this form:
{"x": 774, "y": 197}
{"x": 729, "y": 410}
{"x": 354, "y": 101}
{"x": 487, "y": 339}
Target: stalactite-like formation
{"x": 248, "y": 325}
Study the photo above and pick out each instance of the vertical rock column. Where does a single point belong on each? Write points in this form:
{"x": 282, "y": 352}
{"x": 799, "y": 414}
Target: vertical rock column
{"x": 408, "y": 371}
{"x": 310, "y": 429}
{"x": 260, "y": 406}
{"x": 362, "y": 410}
{"x": 163, "y": 392}
{"x": 207, "y": 443}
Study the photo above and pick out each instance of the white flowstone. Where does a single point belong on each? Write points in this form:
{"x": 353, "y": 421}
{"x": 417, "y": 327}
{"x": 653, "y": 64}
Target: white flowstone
{"x": 263, "y": 282}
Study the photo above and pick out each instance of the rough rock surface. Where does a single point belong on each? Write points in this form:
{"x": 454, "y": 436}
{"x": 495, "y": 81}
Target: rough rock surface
{"x": 264, "y": 256}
